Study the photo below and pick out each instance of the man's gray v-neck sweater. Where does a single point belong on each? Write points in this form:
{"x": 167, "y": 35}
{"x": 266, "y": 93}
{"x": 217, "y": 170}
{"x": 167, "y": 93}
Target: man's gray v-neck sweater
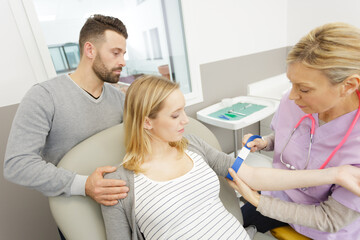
{"x": 52, "y": 118}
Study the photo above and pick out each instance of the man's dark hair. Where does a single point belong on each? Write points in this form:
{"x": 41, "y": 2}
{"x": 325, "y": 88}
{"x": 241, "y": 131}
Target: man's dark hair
{"x": 95, "y": 27}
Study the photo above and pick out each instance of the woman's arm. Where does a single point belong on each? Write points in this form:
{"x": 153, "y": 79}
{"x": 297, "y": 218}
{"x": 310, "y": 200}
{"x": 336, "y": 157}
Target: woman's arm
{"x": 329, "y": 216}
{"x": 116, "y": 224}
{"x": 218, "y": 161}
{"x": 116, "y": 221}
{"x": 278, "y": 179}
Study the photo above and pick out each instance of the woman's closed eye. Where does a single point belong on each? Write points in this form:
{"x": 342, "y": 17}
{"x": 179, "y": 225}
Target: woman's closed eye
{"x": 304, "y": 90}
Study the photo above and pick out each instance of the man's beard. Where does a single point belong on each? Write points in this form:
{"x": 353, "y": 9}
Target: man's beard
{"x": 103, "y": 73}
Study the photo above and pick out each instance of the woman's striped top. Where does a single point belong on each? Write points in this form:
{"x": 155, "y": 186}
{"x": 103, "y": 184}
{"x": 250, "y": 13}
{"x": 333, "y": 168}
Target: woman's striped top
{"x": 187, "y": 207}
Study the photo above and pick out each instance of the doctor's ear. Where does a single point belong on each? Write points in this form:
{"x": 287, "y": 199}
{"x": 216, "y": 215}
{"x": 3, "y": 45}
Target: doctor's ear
{"x": 147, "y": 123}
{"x": 351, "y": 84}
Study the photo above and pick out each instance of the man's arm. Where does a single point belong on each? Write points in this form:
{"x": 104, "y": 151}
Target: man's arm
{"x": 23, "y": 163}
{"x": 25, "y": 166}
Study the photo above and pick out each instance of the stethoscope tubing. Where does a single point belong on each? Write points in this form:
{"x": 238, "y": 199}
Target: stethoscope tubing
{"x": 312, "y": 132}
{"x": 346, "y": 135}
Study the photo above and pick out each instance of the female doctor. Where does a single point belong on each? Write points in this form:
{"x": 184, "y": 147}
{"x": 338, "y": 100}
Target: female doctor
{"x": 324, "y": 69}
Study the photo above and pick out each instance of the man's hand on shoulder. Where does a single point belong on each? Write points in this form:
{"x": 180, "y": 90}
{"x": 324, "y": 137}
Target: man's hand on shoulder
{"x": 105, "y": 191}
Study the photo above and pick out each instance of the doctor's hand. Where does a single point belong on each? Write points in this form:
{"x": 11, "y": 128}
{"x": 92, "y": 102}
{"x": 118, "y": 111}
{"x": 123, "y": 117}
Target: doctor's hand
{"x": 105, "y": 191}
{"x": 250, "y": 195}
{"x": 255, "y": 145}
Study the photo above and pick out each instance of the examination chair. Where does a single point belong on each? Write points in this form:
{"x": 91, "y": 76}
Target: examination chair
{"x": 80, "y": 217}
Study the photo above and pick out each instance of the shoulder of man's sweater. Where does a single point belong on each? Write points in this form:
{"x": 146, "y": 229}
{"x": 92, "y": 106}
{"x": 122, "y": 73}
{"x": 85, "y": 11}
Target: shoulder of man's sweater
{"x": 50, "y": 86}
{"x": 55, "y": 82}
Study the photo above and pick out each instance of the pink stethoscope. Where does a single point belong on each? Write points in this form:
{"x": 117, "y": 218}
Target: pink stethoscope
{"x": 312, "y": 131}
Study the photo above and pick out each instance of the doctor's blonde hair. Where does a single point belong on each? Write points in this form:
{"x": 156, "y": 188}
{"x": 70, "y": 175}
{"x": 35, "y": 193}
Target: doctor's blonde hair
{"x": 144, "y": 98}
{"x": 333, "y": 48}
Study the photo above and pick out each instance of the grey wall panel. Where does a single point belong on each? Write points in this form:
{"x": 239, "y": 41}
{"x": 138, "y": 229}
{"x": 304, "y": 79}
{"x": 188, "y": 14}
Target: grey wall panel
{"x": 25, "y": 213}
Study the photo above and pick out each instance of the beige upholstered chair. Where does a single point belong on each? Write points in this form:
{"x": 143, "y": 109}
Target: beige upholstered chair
{"x": 80, "y": 217}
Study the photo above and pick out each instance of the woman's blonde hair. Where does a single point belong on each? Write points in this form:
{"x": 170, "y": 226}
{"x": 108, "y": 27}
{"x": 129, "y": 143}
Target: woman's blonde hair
{"x": 144, "y": 98}
{"x": 333, "y": 48}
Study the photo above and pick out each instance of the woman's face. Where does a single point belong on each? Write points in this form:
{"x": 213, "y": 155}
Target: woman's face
{"x": 312, "y": 90}
{"x": 168, "y": 126}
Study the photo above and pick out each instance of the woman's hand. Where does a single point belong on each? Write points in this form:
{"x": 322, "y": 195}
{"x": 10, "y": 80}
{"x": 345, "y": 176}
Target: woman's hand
{"x": 250, "y": 195}
{"x": 255, "y": 145}
{"x": 349, "y": 177}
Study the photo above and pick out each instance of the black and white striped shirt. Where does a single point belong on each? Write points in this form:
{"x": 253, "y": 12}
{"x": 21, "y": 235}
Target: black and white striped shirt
{"x": 187, "y": 207}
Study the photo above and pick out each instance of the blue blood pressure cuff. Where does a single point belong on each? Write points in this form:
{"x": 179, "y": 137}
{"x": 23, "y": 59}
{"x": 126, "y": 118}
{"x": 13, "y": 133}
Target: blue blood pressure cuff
{"x": 244, "y": 152}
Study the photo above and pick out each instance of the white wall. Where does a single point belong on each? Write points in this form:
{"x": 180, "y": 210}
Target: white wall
{"x": 20, "y": 63}
{"x": 217, "y": 30}
{"x": 61, "y": 20}
{"x": 305, "y": 15}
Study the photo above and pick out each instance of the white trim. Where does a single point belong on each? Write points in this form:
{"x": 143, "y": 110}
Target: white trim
{"x": 39, "y": 38}
{"x": 196, "y": 95}
{"x": 32, "y": 38}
